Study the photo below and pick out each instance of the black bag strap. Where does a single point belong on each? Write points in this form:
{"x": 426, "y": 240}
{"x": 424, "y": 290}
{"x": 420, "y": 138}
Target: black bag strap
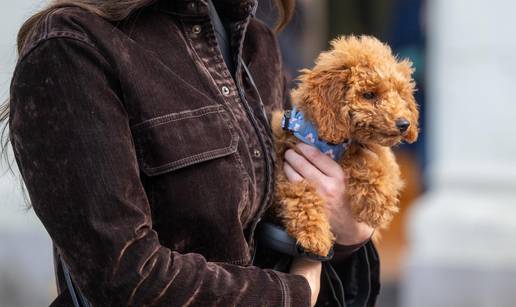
{"x": 251, "y": 80}
{"x": 78, "y": 299}
{"x": 221, "y": 36}
{"x": 225, "y": 48}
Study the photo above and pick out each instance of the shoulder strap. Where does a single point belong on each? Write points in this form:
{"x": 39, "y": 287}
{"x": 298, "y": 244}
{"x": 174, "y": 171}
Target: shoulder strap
{"x": 222, "y": 37}
{"x": 79, "y": 300}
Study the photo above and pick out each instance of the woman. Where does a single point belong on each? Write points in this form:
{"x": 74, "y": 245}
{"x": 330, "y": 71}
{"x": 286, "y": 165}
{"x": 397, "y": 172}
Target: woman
{"x": 148, "y": 157}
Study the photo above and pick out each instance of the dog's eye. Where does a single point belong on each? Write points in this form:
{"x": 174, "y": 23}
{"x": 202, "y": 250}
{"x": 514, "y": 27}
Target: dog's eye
{"x": 369, "y": 95}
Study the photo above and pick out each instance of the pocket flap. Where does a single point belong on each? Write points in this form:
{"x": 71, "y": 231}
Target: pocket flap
{"x": 177, "y": 140}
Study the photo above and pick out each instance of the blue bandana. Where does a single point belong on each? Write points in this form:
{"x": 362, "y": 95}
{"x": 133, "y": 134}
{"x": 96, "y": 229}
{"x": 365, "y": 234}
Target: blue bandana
{"x": 294, "y": 121}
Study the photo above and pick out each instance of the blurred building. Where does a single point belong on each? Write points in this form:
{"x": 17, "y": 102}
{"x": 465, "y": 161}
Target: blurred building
{"x": 463, "y": 231}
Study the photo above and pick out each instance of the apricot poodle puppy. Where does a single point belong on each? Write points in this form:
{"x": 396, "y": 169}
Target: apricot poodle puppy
{"x": 354, "y": 105}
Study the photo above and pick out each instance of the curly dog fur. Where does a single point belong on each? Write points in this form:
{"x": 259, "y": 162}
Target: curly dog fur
{"x": 357, "y": 91}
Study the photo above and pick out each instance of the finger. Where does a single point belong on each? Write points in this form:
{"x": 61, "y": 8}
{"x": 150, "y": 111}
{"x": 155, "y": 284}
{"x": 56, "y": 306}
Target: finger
{"x": 303, "y": 167}
{"x": 323, "y": 162}
{"x": 291, "y": 174}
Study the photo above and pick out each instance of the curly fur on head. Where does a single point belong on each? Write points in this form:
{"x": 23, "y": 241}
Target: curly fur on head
{"x": 357, "y": 91}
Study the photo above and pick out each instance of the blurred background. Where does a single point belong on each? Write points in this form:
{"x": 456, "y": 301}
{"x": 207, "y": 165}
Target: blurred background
{"x": 454, "y": 241}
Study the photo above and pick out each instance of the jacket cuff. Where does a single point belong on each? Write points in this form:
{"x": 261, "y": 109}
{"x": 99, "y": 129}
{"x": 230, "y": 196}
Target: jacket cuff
{"x": 295, "y": 290}
{"x": 342, "y": 252}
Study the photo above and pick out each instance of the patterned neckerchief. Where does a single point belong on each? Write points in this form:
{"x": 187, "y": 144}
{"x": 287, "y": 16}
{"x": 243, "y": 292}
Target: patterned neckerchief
{"x": 294, "y": 121}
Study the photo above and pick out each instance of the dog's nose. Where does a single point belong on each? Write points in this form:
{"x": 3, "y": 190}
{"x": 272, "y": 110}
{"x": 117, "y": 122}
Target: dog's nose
{"x": 402, "y": 124}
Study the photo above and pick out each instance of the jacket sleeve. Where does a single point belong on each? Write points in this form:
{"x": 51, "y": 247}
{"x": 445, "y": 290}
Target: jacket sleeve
{"x": 72, "y": 143}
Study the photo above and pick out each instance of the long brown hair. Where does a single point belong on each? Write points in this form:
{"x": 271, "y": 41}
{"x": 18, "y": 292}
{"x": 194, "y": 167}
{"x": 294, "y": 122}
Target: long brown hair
{"x": 113, "y": 10}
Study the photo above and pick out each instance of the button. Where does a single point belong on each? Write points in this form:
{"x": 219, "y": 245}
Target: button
{"x": 257, "y": 153}
{"x": 225, "y": 90}
{"x": 196, "y": 29}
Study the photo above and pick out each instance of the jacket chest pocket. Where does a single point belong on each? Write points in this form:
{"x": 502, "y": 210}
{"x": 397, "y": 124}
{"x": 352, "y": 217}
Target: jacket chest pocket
{"x": 196, "y": 181}
{"x": 177, "y": 140}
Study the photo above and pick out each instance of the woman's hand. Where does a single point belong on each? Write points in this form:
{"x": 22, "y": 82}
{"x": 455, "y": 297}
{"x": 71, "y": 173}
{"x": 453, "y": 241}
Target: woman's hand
{"x": 311, "y": 270}
{"x": 329, "y": 179}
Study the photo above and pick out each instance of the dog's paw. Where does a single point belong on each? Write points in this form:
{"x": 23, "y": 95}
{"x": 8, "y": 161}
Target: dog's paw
{"x": 316, "y": 241}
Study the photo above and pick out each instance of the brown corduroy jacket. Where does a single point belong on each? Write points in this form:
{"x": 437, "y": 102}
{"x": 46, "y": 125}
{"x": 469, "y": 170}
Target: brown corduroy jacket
{"x": 147, "y": 168}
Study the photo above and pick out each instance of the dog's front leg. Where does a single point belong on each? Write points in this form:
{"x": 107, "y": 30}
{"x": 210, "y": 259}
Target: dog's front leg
{"x": 303, "y": 214}
{"x": 374, "y": 184}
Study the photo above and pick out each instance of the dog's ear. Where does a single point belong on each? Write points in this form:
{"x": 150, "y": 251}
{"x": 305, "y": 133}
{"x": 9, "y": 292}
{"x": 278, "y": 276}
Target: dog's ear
{"x": 406, "y": 68}
{"x": 413, "y": 130}
{"x": 321, "y": 95}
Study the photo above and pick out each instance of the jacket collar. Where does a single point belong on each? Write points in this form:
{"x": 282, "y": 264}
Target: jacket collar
{"x": 230, "y": 9}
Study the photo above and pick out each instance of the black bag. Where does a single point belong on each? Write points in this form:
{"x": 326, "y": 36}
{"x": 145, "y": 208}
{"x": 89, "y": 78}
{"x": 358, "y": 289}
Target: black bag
{"x": 275, "y": 249}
